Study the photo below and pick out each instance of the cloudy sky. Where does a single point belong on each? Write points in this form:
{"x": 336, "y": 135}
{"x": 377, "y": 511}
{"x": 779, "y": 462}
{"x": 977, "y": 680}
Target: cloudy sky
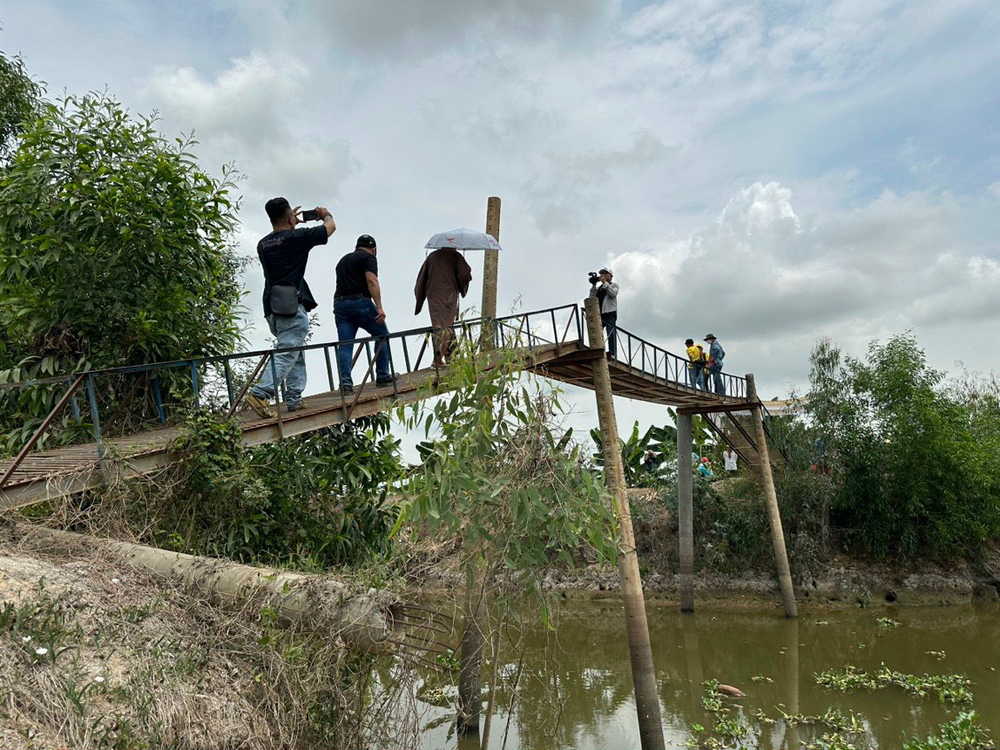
{"x": 773, "y": 171}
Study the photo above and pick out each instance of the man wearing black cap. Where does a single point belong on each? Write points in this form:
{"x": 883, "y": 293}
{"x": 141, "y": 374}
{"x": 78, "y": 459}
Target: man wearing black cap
{"x": 606, "y": 292}
{"x": 357, "y": 303}
{"x": 287, "y": 299}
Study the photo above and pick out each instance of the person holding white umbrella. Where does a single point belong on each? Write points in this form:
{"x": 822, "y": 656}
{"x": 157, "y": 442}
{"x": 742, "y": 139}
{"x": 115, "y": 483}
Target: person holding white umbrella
{"x": 444, "y": 276}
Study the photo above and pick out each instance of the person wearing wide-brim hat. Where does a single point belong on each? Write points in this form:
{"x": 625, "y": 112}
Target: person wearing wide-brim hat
{"x": 715, "y": 356}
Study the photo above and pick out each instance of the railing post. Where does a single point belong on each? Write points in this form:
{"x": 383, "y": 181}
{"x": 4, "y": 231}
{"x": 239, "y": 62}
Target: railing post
{"x": 158, "y": 400}
{"x": 194, "y": 382}
{"x": 277, "y": 398}
{"x": 92, "y": 398}
{"x": 406, "y": 356}
{"x": 229, "y": 382}
{"x": 74, "y": 404}
{"x": 329, "y": 367}
{"x": 647, "y": 699}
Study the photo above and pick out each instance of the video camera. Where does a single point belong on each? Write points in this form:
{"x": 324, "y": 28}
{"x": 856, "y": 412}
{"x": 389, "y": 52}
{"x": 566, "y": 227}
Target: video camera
{"x": 593, "y": 277}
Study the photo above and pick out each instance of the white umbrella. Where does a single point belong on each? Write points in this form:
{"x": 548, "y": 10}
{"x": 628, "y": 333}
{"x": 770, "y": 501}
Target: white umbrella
{"x": 463, "y": 239}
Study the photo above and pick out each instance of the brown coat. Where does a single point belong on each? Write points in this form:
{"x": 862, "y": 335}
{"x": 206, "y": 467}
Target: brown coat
{"x": 443, "y": 277}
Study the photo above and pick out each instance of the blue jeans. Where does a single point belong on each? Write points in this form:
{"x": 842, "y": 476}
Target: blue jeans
{"x": 698, "y": 375}
{"x": 352, "y": 314}
{"x": 290, "y": 367}
{"x": 693, "y": 377}
{"x": 720, "y": 385}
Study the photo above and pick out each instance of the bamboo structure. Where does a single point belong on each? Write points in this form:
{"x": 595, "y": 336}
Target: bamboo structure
{"x": 647, "y": 699}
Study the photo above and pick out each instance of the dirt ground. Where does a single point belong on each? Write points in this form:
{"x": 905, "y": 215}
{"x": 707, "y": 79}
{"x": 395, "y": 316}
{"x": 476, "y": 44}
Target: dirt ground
{"x": 94, "y": 654}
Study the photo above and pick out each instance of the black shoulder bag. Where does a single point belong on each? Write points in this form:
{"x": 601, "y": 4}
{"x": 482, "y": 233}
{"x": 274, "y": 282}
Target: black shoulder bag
{"x": 284, "y": 299}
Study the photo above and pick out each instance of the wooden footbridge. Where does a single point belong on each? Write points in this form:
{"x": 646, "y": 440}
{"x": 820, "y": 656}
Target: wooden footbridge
{"x": 547, "y": 342}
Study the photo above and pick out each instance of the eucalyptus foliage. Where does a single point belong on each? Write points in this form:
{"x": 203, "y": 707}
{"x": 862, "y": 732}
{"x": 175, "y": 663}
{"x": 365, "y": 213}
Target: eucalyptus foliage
{"x": 498, "y": 475}
{"x": 116, "y": 248}
{"x": 914, "y": 463}
{"x": 313, "y": 501}
{"x": 19, "y": 102}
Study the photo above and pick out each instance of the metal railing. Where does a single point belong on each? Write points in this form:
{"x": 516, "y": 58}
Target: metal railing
{"x": 223, "y": 381}
{"x": 214, "y": 381}
{"x": 668, "y": 367}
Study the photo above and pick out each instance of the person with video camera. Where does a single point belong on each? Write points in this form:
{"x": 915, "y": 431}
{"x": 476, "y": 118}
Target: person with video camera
{"x": 606, "y": 291}
{"x": 287, "y": 300}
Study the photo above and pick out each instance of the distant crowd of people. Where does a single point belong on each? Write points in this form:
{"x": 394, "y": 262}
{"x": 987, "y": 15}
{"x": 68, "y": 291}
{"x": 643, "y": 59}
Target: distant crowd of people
{"x": 700, "y": 465}
{"x": 357, "y": 302}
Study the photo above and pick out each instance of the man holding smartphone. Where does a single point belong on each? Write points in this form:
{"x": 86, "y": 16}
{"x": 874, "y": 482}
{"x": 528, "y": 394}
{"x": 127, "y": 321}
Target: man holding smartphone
{"x": 287, "y": 299}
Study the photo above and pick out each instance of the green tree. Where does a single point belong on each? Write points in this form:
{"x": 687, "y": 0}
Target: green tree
{"x": 660, "y": 440}
{"x": 912, "y": 474}
{"x": 19, "y": 102}
{"x": 311, "y": 501}
{"x": 499, "y": 477}
{"x": 115, "y": 248}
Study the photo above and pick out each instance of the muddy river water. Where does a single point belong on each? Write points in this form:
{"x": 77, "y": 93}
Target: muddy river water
{"x": 574, "y": 690}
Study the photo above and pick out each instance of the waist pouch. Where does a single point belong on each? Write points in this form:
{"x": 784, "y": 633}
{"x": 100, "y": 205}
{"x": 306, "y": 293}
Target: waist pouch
{"x": 284, "y": 299}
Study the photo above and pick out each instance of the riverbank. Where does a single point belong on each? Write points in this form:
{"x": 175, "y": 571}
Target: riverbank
{"x": 838, "y": 582}
{"x": 843, "y": 586}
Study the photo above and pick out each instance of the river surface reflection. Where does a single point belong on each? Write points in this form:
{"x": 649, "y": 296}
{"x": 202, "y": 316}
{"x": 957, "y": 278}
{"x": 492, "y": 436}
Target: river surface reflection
{"x": 574, "y": 688}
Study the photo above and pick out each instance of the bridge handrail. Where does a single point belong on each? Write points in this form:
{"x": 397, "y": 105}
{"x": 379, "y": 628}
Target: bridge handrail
{"x": 657, "y": 356}
{"x": 213, "y": 359}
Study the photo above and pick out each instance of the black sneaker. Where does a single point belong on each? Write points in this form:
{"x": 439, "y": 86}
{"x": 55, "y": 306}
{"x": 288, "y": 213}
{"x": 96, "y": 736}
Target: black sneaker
{"x": 387, "y": 381}
{"x": 347, "y": 389}
{"x": 296, "y": 407}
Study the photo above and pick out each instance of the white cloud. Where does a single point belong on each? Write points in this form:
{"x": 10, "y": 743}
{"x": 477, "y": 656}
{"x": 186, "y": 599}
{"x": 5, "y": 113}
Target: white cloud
{"x": 242, "y": 115}
{"x": 919, "y": 160}
{"x": 758, "y": 277}
{"x": 246, "y": 101}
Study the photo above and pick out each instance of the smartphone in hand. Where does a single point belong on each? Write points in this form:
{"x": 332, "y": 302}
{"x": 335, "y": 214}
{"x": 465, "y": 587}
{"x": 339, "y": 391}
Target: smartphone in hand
{"x": 310, "y": 216}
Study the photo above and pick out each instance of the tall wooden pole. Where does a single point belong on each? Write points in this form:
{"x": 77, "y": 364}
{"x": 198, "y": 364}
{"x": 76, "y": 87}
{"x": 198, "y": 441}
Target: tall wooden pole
{"x": 647, "y": 700}
{"x": 771, "y": 498}
{"x": 473, "y": 636}
{"x": 471, "y": 653}
{"x": 685, "y": 510}
{"x": 491, "y": 261}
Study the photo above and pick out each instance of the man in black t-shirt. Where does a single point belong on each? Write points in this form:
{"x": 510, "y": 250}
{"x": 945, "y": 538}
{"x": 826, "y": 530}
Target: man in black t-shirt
{"x": 284, "y": 254}
{"x": 357, "y": 303}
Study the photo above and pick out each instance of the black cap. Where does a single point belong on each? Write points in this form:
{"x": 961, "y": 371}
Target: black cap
{"x": 366, "y": 241}
{"x": 277, "y": 209}
{"x": 689, "y": 342}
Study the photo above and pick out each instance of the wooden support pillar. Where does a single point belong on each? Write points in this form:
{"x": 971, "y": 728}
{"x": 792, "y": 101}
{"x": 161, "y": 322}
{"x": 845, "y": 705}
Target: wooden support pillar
{"x": 771, "y": 498}
{"x": 491, "y": 260}
{"x": 685, "y": 511}
{"x": 471, "y": 654}
{"x": 647, "y": 699}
